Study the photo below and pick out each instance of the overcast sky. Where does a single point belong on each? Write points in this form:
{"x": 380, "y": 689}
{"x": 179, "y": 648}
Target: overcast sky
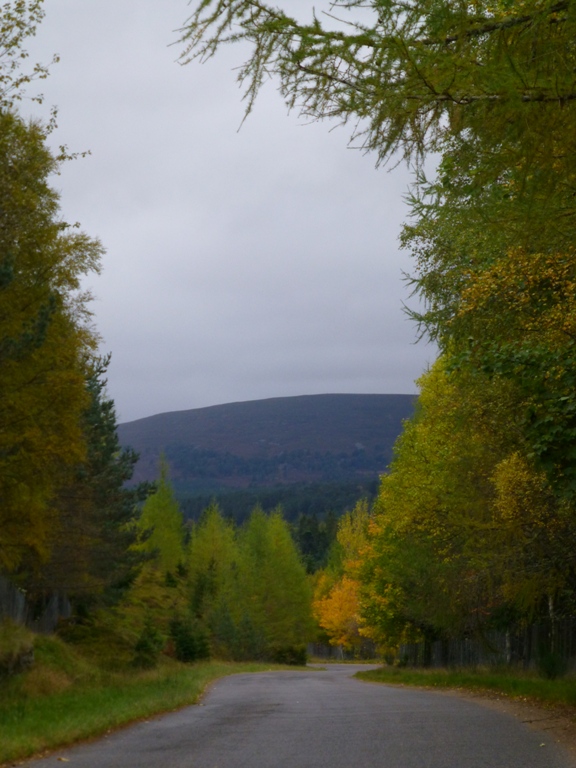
{"x": 240, "y": 264}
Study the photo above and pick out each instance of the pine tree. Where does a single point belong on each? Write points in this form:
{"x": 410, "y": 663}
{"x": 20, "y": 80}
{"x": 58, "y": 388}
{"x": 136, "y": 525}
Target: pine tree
{"x": 92, "y": 543}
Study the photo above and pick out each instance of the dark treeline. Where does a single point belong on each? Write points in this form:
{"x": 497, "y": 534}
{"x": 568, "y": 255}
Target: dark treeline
{"x": 206, "y": 467}
{"x": 312, "y": 511}
{"x": 309, "y": 499}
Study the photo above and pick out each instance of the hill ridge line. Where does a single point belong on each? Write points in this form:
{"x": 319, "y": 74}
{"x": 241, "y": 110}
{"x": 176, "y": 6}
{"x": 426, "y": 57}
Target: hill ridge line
{"x": 274, "y": 441}
{"x": 268, "y": 400}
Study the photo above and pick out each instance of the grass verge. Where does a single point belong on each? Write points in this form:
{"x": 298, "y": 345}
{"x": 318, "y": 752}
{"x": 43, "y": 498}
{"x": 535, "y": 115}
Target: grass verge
{"x": 66, "y": 698}
{"x": 502, "y": 682}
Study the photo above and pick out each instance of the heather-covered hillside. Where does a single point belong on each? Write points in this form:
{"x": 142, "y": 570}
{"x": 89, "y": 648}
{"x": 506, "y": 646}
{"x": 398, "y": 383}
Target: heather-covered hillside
{"x": 267, "y": 443}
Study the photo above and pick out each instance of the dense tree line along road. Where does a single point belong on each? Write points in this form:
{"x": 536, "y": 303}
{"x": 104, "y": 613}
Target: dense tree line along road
{"x": 321, "y": 719}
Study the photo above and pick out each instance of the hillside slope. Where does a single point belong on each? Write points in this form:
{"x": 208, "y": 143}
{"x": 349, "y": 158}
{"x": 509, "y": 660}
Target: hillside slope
{"x": 263, "y": 443}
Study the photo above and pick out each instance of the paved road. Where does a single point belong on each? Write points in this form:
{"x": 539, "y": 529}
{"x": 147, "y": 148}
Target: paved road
{"x": 320, "y": 719}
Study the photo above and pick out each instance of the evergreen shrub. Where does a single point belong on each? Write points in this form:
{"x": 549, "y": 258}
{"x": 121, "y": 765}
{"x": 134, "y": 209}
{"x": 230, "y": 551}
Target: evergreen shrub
{"x": 190, "y": 640}
{"x": 148, "y": 647}
{"x": 290, "y": 654}
{"x": 551, "y": 665}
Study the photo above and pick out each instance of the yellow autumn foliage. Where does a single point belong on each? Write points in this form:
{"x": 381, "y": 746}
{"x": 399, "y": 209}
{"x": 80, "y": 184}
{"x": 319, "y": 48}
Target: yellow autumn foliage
{"x": 534, "y": 293}
{"x": 537, "y": 533}
{"x": 466, "y": 528}
{"x": 338, "y": 613}
{"x": 337, "y": 591}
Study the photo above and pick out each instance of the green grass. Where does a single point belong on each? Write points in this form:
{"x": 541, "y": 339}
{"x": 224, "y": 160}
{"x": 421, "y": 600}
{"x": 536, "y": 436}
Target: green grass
{"x": 65, "y": 697}
{"x": 504, "y": 682}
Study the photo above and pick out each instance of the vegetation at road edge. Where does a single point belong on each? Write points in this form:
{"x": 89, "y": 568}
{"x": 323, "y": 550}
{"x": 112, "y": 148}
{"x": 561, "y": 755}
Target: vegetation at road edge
{"x": 504, "y": 682}
{"x": 69, "y": 695}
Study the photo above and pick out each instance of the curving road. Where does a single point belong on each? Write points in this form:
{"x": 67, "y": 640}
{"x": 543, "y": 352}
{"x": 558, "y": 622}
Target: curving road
{"x": 320, "y": 719}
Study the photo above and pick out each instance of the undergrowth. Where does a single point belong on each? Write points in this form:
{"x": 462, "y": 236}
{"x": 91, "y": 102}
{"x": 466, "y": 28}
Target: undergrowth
{"x": 68, "y": 695}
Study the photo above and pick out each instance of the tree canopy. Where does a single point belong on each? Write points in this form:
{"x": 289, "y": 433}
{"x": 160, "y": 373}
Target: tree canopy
{"x": 413, "y": 73}
{"x": 46, "y": 339}
{"x": 19, "y": 21}
{"x": 160, "y": 524}
{"x": 467, "y": 533}
{"x": 92, "y": 555}
{"x": 337, "y": 588}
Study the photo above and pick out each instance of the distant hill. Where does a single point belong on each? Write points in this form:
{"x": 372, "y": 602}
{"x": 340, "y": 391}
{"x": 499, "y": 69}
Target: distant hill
{"x": 270, "y": 443}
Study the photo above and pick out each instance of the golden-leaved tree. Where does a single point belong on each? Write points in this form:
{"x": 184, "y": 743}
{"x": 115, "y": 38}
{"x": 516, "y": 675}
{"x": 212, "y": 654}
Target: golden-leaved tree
{"x": 337, "y": 589}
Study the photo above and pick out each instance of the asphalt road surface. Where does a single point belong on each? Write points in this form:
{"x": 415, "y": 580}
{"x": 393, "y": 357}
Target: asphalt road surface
{"x": 320, "y": 719}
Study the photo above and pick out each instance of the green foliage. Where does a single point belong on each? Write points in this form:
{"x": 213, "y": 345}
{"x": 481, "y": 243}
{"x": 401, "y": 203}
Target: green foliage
{"x": 410, "y": 74}
{"x": 20, "y": 19}
{"x": 46, "y": 339}
{"x": 291, "y": 655}
{"x": 274, "y": 597}
{"x": 414, "y": 575}
{"x": 467, "y": 532}
{"x": 45, "y": 342}
{"x": 249, "y": 587}
{"x": 92, "y": 542}
{"x": 552, "y": 665}
{"x": 498, "y": 285}
{"x": 16, "y": 649}
{"x": 160, "y": 524}
{"x": 101, "y": 483}
{"x": 314, "y": 539}
{"x": 247, "y": 639}
{"x": 148, "y": 598}
{"x": 240, "y": 594}
{"x": 190, "y": 640}
{"x": 306, "y": 500}
{"x": 148, "y": 646}
{"x": 212, "y": 558}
